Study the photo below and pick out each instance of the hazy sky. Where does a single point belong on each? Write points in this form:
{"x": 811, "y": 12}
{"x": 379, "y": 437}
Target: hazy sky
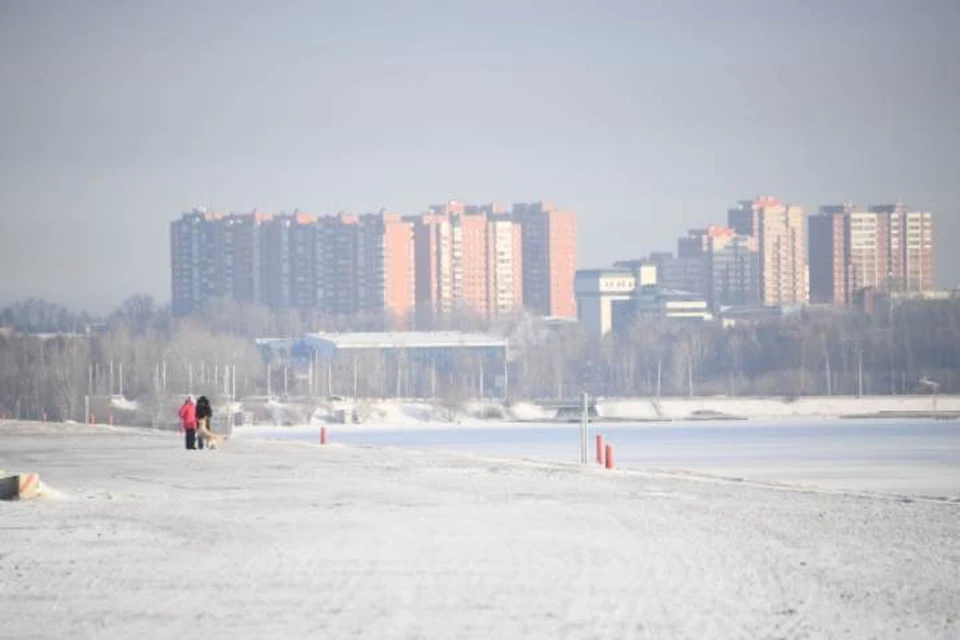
{"x": 646, "y": 118}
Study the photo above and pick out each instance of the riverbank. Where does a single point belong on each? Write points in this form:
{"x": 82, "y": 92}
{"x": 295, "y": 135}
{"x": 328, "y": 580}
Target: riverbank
{"x": 271, "y": 539}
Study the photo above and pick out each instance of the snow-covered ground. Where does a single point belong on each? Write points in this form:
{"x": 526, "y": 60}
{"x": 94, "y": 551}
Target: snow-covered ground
{"x": 284, "y": 539}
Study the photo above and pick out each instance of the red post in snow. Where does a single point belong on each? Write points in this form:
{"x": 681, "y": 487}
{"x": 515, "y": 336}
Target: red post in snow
{"x": 109, "y": 418}
{"x": 323, "y": 435}
{"x": 93, "y": 418}
{"x": 599, "y": 449}
{"x": 609, "y": 457}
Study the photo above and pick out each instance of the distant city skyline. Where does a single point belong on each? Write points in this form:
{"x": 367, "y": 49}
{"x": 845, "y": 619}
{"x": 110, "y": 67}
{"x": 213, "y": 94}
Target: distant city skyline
{"x": 484, "y": 261}
{"x": 647, "y": 120}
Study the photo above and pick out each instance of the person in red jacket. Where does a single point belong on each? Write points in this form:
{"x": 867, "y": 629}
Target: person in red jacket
{"x": 188, "y": 422}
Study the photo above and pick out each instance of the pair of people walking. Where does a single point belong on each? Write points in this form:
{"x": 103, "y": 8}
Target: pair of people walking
{"x": 194, "y": 416}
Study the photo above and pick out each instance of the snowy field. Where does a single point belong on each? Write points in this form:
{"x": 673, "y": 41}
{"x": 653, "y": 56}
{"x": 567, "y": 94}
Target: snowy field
{"x": 915, "y": 457}
{"x": 268, "y": 539}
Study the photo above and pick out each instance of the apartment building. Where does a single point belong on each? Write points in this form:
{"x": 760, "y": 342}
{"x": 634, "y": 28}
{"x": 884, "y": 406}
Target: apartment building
{"x": 733, "y": 268}
{"x": 505, "y": 268}
{"x": 911, "y": 248}
{"x": 196, "y": 242}
{"x": 287, "y": 257}
{"x": 243, "y": 250}
{"x": 335, "y": 255}
{"x": 433, "y": 263}
{"x": 828, "y": 255}
{"x": 884, "y": 248}
{"x": 781, "y": 236}
{"x": 454, "y": 257}
{"x": 549, "y": 241}
{"x": 364, "y": 264}
{"x": 469, "y": 258}
{"x": 675, "y": 273}
{"x": 385, "y": 267}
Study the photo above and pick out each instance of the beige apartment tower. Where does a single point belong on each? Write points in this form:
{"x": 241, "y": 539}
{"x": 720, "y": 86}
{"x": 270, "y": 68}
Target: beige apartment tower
{"x": 780, "y": 231}
{"x": 885, "y": 248}
{"x": 468, "y": 259}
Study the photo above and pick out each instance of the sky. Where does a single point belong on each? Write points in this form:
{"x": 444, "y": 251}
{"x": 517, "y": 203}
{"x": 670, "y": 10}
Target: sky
{"x": 645, "y": 117}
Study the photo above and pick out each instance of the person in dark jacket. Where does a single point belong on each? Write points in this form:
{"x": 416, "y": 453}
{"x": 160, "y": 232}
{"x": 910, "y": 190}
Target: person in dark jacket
{"x": 204, "y": 414}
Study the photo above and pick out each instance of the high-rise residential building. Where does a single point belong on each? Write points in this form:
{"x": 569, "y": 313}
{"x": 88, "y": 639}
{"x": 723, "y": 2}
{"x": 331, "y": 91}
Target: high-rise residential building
{"x": 911, "y": 248}
{"x": 866, "y": 246}
{"x": 335, "y": 255}
{"x": 852, "y": 250}
{"x": 468, "y": 258}
{"x": 733, "y": 267}
{"x": 470, "y": 262}
{"x": 715, "y": 263}
{"x": 364, "y": 264}
{"x": 196, "y": 244}
{"x": 695, "y": 244}
{"x": 385, "y": 266}
{"x": 454, "y": 257}
{"x": 828, "y": 254}
{"x": 849, "y": 252}
{"x": 549, "y": 240}
{"x": 745, "y": 218}
{"x": 688, "y": 274}
{"x": 287, "y": 258}
{"x": 433, "y": 259}
{"x": 303, "y": 245}
{"x": 243, "y": 247}
{"x": 505, "y": 264}
{"x": 780, "y": 234}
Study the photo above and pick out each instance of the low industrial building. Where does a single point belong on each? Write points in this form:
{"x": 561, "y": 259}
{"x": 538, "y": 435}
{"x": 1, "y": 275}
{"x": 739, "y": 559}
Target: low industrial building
{"x": 598, "y": 291}
{"x": 653, "y": 302}
{"x": 409, "y": 364}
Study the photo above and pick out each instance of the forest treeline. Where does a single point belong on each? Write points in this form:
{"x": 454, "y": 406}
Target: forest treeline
{"x": 51, "y": 359}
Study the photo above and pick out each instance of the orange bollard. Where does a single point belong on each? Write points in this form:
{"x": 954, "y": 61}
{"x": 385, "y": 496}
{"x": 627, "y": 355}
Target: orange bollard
{"x": 109, "y": 418}
{"x": 599, "y": 449}
{"x": 93, "y": 418}
{"x": 323, "y": 435}
{"x": 609, "y": 456}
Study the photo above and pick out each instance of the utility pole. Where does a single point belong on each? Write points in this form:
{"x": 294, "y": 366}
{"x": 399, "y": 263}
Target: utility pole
{"x": 584, "y": 419}
{"x": 860, "y": 372}
{"x": 659, "y": 373}
{"x": 329, "y": 377}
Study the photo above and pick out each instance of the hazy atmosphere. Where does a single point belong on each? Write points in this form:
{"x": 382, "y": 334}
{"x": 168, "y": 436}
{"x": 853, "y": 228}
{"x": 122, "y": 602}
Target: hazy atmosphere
{"x": 644, "y": 118}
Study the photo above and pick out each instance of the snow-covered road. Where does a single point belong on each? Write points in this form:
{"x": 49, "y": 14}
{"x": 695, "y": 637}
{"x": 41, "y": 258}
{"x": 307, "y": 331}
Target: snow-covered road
{"x": 281, "y": 539}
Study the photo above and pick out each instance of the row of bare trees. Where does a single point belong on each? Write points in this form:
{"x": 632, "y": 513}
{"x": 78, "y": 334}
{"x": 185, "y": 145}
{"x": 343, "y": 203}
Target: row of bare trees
{"x": 815, "y": 352}
{"x": 51, "y": 362}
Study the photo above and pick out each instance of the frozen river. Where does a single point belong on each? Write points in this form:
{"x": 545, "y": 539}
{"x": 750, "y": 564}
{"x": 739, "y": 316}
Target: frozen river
{"x": 912, "y": 457}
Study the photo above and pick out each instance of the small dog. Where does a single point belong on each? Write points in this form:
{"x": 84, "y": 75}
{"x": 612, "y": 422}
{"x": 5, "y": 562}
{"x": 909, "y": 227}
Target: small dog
{"x": 210, "y": 439}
